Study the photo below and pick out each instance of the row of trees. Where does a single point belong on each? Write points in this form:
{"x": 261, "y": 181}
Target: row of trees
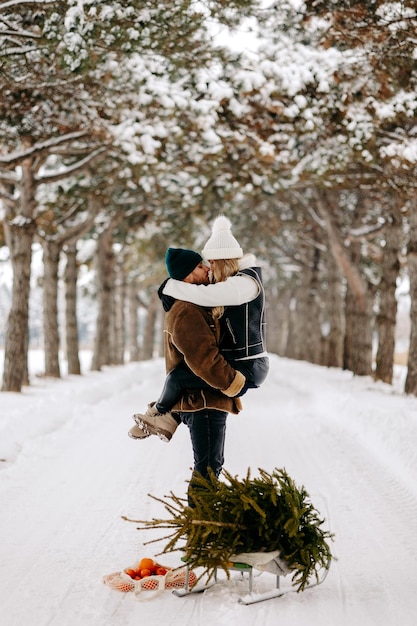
{"x": 125, "y": 122}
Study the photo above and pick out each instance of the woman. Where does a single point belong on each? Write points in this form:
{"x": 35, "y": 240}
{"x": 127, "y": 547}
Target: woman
{"x": 237, "y": 300}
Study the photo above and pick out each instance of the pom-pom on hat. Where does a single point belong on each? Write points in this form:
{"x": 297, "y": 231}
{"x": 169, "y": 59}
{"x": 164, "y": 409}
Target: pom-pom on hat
{"x": 181, "y": 262}
{"x": 222, "y": 244}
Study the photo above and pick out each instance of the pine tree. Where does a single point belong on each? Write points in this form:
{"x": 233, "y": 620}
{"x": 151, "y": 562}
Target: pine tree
{"x": 232, "y": 516}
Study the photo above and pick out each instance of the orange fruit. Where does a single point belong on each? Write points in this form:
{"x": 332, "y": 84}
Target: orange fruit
{"x": 145, "y": 572}
{"x": 146, "y": 564}
{"x": 160, "y": 571}
{"x": 130, "y": 572}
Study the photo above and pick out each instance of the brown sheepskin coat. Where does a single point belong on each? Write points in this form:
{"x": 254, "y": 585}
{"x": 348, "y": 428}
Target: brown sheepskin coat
{"x": 191, "y": 336}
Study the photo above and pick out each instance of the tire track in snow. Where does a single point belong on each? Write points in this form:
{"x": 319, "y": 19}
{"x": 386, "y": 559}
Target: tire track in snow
{"x": 374, "y": 542}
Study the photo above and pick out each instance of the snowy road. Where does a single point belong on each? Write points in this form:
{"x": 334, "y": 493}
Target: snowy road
{"x": 70, "y": 474}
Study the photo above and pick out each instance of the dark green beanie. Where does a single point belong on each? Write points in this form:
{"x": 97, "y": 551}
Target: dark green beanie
{"x": 181, "y": 262}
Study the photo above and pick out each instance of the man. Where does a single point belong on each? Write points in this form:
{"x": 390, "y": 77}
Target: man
{"x": 191, "y": 338}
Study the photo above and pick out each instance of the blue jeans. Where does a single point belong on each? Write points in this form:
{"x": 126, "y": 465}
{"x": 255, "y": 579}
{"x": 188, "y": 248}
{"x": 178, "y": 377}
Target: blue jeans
{"x": 208, "y": 433}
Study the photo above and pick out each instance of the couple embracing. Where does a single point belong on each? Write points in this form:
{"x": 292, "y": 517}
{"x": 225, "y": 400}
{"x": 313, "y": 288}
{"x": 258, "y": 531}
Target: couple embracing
{"x": 215, "y": 346}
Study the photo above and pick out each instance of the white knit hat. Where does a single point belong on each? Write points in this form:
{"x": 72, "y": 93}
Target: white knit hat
{"x": 222, "y": 244}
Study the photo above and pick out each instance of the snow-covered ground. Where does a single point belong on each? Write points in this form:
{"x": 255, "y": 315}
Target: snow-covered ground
{"x": 68, "y": 473}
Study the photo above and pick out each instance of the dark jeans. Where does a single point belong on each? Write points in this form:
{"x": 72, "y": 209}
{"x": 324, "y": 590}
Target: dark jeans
{"x": 208, "y": 433}
{"x": 181, "y": 378}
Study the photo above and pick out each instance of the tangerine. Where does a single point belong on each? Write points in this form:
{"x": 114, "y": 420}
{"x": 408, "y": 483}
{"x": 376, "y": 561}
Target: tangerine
{"x": 130, "y": 572}
{"x": 145, "y": 572}
{"x": 146, "y": 564}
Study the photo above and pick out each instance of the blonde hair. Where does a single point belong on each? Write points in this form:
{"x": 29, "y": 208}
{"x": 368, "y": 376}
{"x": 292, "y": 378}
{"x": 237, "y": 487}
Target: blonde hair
{"x": 222, "y": 269}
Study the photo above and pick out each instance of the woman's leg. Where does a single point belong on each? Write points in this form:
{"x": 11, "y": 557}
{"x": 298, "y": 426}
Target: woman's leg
{"x": 181, "y": 378}
{"x": 158, "y": 419}
{"x": 254, "y": 370}
{"x": 176, "y": 382}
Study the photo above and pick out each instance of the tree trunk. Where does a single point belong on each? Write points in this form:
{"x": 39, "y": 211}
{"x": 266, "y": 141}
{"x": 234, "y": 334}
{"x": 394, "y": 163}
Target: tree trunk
{"x": 291, "y": 345}
{"x": 105, "y": 281}
{"x": 357, "y": 355}
{"x": 150, "y": 327}
{"x": 133, "y": 303}
{"x": 359, "y": 325}
{"x": 338, "y": 250}
{"x": 71, "y": 326}
{"x": 334, "y": 304}
{"x": 19, "y": 235}
{"x": 51, "y": 251}
{"x": 306, "y": 333}
{"x": 277, "y": 316}
{"x": 411, "y": 379}
{"x": 119, "y": 321}
{"x": 387, "y": 316}
{"x": 312, "y": 319}
{"x": 16, "y": 344}
{"x": 358, "y": 337}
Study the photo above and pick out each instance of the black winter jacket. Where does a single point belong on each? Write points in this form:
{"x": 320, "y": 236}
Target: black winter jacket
{"x": 243, "y": 327}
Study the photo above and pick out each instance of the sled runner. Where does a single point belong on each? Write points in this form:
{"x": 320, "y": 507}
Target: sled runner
{"x": 245, "y": 569}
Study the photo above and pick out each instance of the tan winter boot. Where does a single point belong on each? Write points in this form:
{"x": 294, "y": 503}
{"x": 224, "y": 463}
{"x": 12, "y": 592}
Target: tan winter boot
{"x": 154, "y": 423}
{"x": 137, "y": 433}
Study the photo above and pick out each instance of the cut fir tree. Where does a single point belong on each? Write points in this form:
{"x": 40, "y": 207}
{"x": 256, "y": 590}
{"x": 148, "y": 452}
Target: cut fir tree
{"x": 229, "y": 517}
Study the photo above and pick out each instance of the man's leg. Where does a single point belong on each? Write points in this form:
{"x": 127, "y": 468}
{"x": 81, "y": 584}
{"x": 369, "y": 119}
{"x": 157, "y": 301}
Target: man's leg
{"x": 208, "y": 433}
